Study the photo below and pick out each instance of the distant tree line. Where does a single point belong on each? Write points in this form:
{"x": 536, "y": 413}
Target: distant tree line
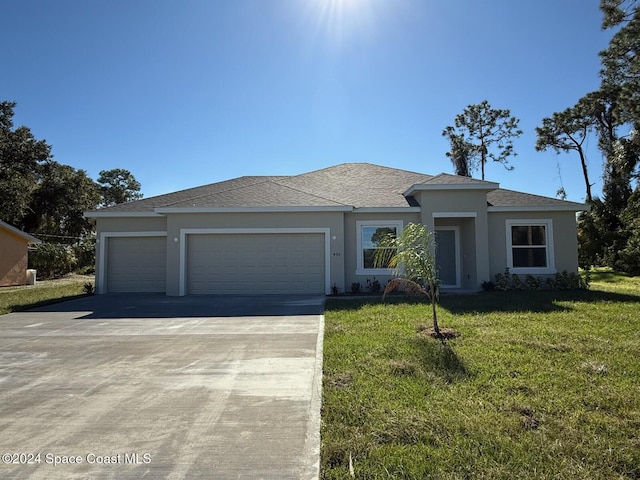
{"x": 46, "y": 198}
{"x": 609, "y": 233}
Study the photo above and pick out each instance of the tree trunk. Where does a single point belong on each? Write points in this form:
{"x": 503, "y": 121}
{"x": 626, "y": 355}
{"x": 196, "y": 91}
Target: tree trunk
{"x": 434, "y": 300}
{"x": 436, "y": 328}
{"x": 583, "y": 161}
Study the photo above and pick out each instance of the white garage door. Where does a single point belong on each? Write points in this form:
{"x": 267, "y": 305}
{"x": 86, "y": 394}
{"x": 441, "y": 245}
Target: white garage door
{"x": 256, "y": 263}
{"x": 136, "y": 264}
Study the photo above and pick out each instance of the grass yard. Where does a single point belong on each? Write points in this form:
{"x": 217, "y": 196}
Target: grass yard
{"x": 13, "y": 299}
{"x": 540, "y": 385}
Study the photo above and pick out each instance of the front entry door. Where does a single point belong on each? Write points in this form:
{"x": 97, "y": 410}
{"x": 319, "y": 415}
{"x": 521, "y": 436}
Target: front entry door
{"x": 447, "y": 257}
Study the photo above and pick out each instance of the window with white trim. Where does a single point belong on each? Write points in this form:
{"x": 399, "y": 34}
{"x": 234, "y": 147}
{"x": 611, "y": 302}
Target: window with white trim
{"x": 369, "y": 235}
{"x": 530, "y": 246}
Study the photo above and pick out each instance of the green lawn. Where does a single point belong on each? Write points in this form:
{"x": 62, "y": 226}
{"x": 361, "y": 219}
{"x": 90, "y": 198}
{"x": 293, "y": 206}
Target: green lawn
{"x": 14, "y": 299}
{"x": 540, "y": 385}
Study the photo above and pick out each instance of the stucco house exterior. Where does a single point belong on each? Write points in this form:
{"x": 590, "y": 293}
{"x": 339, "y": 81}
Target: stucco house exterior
{"x": 13, "y": 255}
{"x": 308, "y": 233}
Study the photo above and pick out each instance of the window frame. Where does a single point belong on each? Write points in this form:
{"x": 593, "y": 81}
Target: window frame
{"x": 548, "y": 247}
{"x": 360, "y": 269}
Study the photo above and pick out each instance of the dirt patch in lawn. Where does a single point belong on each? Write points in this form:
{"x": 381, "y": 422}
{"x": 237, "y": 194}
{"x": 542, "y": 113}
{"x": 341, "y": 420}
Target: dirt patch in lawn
{"x": 445, "y": 333}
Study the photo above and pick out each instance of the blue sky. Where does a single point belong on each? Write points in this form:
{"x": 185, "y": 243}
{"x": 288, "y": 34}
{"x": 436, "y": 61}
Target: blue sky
{"x": 184, "y": 93}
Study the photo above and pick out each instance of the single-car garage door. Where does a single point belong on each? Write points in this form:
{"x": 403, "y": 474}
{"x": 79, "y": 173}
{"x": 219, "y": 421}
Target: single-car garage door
{"x": 136, "y": 264}
{"x": 268, "y": 263}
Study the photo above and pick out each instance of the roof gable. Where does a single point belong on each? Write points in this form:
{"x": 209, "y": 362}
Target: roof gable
{"x": 449, "y": 179}
{"x": 446, "y": 181}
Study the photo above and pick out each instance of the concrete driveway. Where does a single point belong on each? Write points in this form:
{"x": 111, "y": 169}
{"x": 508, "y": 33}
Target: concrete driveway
{"x": 149, "y": 386}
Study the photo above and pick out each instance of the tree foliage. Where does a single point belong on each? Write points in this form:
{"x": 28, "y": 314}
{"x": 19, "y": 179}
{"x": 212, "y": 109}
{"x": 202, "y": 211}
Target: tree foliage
{"x": 52, "y": 259}
{"x": 608, "y": 232}
{"x": 118, "y": 186}
{"x": 620, "y": 62}
{"x": 412, "y": 257}
{"x": 485, "y": 132}
{"x": 21, "y": 157}
{"x": 47, "y": 199}
{"x": 566, "y": 131}
{"x": 628, "y": 257}
{"x": 463, "y": 155}
{"x": 57, "y": 204}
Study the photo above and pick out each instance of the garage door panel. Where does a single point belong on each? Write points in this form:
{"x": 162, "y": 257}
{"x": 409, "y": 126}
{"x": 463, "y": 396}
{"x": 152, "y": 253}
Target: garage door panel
{"x": 255, "y": 263}
{"x": 136, "y": 264}
{"x": 314, "y": 270}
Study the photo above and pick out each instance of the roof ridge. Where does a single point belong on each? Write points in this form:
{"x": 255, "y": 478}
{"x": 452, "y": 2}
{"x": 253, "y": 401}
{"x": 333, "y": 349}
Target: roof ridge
{"x": 308, "y": 193}
{"x": 462, "y": 177}
{"x": 263, "y": 178}
{"x": 344, "y": 164}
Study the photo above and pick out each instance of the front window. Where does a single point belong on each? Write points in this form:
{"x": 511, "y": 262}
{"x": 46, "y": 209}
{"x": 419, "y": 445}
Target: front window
{"x": 529, "y": 246}
{"x": 370, "y": 236}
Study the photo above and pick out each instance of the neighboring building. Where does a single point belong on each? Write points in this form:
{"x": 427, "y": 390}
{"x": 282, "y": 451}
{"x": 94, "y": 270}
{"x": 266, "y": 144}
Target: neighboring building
{"x": 309, "y": 232}
{"x": 13, "y": 255}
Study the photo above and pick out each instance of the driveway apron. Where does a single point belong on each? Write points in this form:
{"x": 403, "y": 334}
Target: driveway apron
{"x": 149, "y": 386}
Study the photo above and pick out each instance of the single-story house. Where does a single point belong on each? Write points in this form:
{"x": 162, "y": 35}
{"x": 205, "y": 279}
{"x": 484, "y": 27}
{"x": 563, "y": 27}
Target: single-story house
{"x": 316, "y": 231}
{"x": 13, "y": 255}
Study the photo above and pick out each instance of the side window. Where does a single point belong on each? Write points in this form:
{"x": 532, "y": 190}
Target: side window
{"x": 530, "y": 246}
{"x": 369, "y": 236}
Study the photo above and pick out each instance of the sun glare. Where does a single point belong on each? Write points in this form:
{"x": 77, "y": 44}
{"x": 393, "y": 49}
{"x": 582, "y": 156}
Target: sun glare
{"x": 342, "y": 19}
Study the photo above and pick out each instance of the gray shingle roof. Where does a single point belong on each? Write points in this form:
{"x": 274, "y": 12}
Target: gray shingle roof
{"x": 448, "y": 179}
{"x": 269, "y": 193}
{"x": 511, "y": 198}
{"x": 358, "y": 185}
{"x": 184, "y": 196}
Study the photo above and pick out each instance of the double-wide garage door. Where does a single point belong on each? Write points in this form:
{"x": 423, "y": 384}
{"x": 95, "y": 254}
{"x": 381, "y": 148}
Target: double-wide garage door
{"x": 261, "y": 263}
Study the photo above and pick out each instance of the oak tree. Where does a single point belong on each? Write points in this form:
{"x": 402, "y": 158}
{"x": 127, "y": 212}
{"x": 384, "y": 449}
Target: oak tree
{"x": 21, "y": 157}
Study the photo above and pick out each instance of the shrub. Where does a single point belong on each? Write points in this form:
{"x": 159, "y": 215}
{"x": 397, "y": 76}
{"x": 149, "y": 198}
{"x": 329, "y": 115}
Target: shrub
{"x": 374, "y": 286}
{"x": 355, "y": 287}
{"x": 502, "y": 280}
{"x": 516, "y": 283}
{"x": 52, "y": 259}
{"x": 85, "y": 254}
{"x": 561, "y": 281}
{"x": 488, "y": 286}
{"x": 533, "y": 283}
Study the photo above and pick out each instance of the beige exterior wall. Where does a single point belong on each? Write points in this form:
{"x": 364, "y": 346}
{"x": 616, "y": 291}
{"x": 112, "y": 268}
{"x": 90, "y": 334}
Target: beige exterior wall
{"x": 565, "y": 239}
{"x": 131, "y": 224}
{"x": 13, "y": 259}
{"x": 466, "y": 208}
{"x": 482, "y": 236}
